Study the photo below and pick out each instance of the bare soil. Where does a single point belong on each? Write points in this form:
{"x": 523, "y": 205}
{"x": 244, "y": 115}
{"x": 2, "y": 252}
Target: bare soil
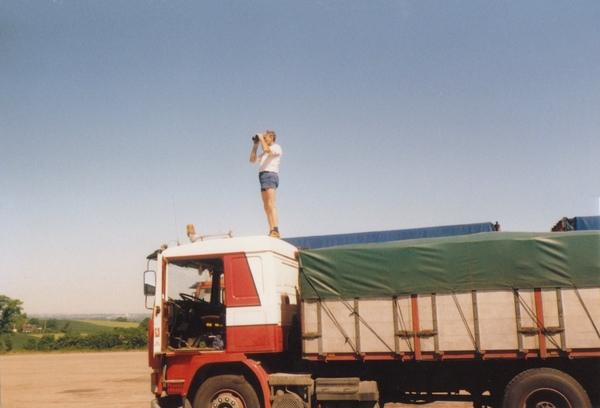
{"x": 75, "y": 380}
{"x": 92, "y": 380}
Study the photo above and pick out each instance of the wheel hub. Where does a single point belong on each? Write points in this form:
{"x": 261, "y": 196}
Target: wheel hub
{"x": 227, "y": 400}
{"x": 547, "y": 398}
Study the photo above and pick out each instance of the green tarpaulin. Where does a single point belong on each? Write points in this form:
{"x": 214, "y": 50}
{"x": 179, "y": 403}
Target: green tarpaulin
{"x": 486, "y": 261}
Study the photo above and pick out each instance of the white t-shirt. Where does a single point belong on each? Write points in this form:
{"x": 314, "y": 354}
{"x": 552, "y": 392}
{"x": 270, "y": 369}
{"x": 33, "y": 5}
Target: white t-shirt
{"x": 270, "y": 161}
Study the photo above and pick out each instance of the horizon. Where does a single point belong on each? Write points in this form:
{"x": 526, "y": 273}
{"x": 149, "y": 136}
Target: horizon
{"x": 122, "y": 122}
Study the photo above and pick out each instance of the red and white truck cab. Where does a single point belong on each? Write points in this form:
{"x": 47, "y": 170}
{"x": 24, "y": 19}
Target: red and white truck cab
{"x": 252, "y": 305}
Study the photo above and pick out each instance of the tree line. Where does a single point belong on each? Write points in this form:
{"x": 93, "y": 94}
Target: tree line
{"x": 117, "y": 339}
{"x": 12, "y": 317}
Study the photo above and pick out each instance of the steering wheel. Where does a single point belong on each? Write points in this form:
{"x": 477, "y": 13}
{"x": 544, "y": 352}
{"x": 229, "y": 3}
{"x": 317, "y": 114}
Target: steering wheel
{"x": 185, "y": 296}
{"x": 191, "y": 298}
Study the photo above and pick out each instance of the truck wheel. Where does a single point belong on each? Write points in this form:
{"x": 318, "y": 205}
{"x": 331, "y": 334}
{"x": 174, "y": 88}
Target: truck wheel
{"x": 226, "y": 391}
{"x": 545, "y": 388}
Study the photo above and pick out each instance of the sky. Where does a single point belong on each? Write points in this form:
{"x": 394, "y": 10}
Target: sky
{"x": 123, "y": 121}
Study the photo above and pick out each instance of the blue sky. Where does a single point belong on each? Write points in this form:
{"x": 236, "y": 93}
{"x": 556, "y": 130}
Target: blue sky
{"x": 121, "y": 122}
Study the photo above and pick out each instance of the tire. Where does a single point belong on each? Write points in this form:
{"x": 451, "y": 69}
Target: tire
{"x": 226, "y": 391}
{"x": 545, "y": 388}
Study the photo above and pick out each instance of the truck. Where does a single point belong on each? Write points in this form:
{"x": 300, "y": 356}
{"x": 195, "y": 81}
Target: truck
{"x": 499, "y": 319}
{"x": 565, "y": 224}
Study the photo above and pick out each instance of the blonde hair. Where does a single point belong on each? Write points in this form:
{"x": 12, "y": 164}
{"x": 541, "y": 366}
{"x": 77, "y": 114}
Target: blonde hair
{"x": 273, "y": 133}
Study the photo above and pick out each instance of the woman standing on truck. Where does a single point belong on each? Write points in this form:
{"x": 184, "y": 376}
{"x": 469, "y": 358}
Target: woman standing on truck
{"x": 268, "y": 175}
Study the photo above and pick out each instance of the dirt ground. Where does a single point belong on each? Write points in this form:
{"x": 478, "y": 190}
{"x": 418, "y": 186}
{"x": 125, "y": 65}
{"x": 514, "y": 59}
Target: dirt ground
{"x": 75, "y": 380}
{"x": 92, "y": 380}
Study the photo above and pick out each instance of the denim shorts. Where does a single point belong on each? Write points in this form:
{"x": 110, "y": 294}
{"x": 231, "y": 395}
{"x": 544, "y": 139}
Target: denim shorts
{"x": 268, "y": 179}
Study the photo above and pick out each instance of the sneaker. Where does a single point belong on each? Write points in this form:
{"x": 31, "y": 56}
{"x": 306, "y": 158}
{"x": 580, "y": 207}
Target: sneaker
{"x": 274, "y": 234}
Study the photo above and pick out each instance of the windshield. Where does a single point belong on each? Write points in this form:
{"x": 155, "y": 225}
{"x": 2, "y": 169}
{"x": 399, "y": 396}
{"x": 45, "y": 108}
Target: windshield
{"x": 194, "y": 278}
{"x": 195, "y": 310}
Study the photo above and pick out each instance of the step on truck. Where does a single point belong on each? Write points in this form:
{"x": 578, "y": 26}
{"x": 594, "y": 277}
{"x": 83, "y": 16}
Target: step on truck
{"x": 501, "y": 319}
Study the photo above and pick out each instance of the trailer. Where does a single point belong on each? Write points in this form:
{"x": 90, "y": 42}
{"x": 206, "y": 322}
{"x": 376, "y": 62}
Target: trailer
{"x": 324, "y": 241}
{"x": 577, "y": 224}
{"x": 500, "y": 319}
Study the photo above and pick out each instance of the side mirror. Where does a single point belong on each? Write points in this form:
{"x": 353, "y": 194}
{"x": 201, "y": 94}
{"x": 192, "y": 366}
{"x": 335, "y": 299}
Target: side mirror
{"x": 149, "y": 285}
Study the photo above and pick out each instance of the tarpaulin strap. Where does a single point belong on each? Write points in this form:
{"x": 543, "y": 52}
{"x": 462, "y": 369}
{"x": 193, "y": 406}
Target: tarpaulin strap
{"x": 462, "y": 316}
{"x": 330, "y": 314}
{"x": 534, "y": 317}
{"x": 366, "y": 324}
{"x": 339, "y": 326}
{"x": 587, "y": 312}
{"x": 403, "y": 324}
{"x": 311, "y": 284}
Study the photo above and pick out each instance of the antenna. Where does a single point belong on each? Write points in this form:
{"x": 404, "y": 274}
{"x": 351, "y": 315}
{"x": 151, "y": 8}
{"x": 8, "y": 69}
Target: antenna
{"x": 175, "y": 217}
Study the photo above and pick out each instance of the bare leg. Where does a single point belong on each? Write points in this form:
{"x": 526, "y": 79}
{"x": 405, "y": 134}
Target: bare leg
{"x": 268, "y": 197}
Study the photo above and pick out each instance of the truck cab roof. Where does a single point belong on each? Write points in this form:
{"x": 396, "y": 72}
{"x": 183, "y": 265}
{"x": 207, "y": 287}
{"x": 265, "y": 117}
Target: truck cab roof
{"x": 228, "y": 246}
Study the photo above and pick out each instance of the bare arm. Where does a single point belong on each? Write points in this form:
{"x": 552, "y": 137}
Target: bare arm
{"x": 263, "y": 144}
{"x": 253, "y": 153}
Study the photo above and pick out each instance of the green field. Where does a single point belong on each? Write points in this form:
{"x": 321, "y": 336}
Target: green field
{"x": 93, "y": 326}
{"x": 90, "y": 326}
{"x": 19, "y": 340}
{"x": 84, "y": 327}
